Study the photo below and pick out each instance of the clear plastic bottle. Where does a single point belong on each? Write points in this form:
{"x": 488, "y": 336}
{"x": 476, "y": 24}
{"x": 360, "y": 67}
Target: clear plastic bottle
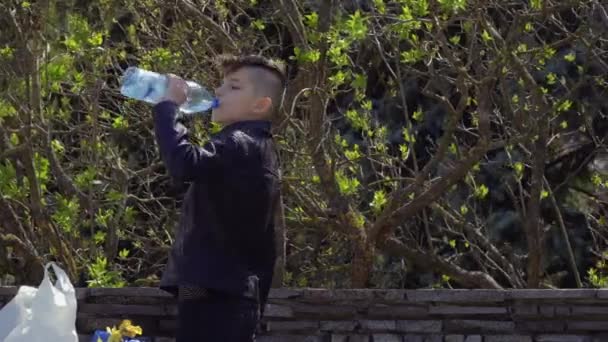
{"x": 151, "y": 87}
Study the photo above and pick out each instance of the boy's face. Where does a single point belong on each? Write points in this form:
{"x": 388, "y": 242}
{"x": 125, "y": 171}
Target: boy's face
{"x": 237, "y": 98}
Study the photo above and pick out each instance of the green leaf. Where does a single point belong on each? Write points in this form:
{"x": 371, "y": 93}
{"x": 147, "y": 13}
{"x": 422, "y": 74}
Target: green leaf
{"x": 103, "y": 217}
{"x": 564, "y": 106}
{"x": 312, "y": 20}
{"x": 453, "y": 6}
{"x": 551, "y": 78}
{"x": 14, "y": 139}
{"x": 359, "y": 121}
{"x": 357, "y": 26}
{"x": 455, "y": 39}
{"x": 347, "y": 185}
{"x": 96, "y": 39}
{"x": 408, "y": 137}
{"x": 258, "y": 24}
{"x": 7, "y": 52}
{"x": 452, "y": 243}
{"x": 114, "y": 196}
{"x": 418, "y": 115}
{"x": 464, "y": 209}
{"x": 120, "y": 123}
{"x": 544, "y": 194}
{"x": 412, "y": 56}
{"x": 536, "y": 4}
{"x": 571, "y": 57}
{"x": 486, "y": 36}
{"x": 405, "y": 151}
{"x": 379, "y": 201}
{"x": 66, "y": 216}
{"x": 353, "y": 154}
{"x": 519, "y": 169}
{"x": 380, "y": 6}
{"x": 309, "y": 56}
{"x": 85, "y": 178}
{"x": 359, "y": 81}
{"x": 522, "y": 48}
{"x": 99, "y": 237}
{"x": 452, "y": 148}
{"x": 481, "y": 191}
{"x": 338, "y": 78}
{"x": 123, "y": 254}
{"x": 596, "y": 179}
{"x": 57, "y": 146}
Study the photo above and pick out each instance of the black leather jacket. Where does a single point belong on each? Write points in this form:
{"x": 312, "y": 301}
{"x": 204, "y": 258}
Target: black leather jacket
{"x": 226, "y": 229}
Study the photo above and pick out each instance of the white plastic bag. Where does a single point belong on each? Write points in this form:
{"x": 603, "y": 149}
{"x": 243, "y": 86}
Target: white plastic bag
{"x": 52, "y": 314}
{"x": 17, "y": 310}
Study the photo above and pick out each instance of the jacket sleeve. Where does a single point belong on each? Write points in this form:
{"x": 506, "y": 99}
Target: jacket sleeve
{"x": 184, "y": 161}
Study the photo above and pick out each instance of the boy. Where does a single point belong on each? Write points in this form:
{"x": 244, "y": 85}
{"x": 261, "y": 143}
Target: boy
{"x": 221, "y": 264}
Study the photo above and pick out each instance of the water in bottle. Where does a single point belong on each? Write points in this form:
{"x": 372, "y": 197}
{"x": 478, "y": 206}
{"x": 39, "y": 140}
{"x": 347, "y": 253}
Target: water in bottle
{"x": 151, "y": 87}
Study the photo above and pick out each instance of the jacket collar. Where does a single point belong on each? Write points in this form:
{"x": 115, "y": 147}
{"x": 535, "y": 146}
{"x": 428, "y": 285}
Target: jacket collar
{"x": 258, "y": 125}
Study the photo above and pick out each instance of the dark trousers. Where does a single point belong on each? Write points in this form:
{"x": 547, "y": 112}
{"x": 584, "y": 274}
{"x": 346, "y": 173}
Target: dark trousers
{"x": 217, "y": 317}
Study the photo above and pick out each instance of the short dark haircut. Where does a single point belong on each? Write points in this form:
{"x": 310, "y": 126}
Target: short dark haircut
{"x": 272, "y": 80}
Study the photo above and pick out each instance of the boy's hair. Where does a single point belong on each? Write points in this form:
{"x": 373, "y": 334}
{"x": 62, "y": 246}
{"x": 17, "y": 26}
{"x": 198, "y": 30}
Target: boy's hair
{"x": 272, "y": 81}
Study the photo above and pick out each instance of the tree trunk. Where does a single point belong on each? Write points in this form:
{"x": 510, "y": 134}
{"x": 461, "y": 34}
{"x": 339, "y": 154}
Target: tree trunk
{"x": 533, "y": 223}
{"x": 362, "y": 263}
{"x": 280, "y": 240}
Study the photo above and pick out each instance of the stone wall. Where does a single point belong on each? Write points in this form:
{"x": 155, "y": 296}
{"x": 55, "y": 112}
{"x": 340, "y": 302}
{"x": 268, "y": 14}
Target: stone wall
{"x": 317, "y": 315}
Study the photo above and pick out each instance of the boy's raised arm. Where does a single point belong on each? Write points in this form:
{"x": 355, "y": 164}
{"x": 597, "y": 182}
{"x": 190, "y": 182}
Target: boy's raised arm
{"x": 184, "y": 161}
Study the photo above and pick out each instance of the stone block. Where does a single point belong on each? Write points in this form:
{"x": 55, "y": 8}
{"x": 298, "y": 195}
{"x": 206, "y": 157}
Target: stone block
{"x": 164, "y": 339}
{"x": 433, "y": 338}
{"x": 292, "y": 326}
{"x": 128, "y": 310}
{"x": 338, "y": 326}
{"x": 562, "y": 338}
{"x": 305, "y": 311}
{"x": 278, "y": 311}
{"x": 467, "y": 310}
{"x": 350, "y": 338}
{"x": 478, "y": 326}
{"x": 284, "y": 293}
{"x": 563, "y": 310}
{"x": 454, "y": 338}
{"x": 525, "y": 309}
{"x": 377, "y": 326}
{"x": 398, "y": 311}
{"x": 589, "y": 310}
{"x": 459, "y": 296}
{"x": 386, "y": 338}
{"x": 507, "y": 338}
{"x": 473, "y": 338}
{"x": 599, "y": 338}
{"x": 587, "y": 326}
{"x": 553, "y": 326}
{"x": 546, "y": 311}
{"x": 290, "y": 338}
{"x": 553, "y": 294}
{"x": 419, "y": 326}
{"x": 167, "y": 325}
{"x": 128, "y": 292}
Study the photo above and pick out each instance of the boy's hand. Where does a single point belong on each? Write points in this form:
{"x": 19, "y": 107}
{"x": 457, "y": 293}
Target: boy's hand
{"x": 177, "y": 90}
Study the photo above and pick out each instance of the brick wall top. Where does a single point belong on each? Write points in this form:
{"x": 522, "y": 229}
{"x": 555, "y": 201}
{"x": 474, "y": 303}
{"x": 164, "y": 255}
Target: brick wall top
{"x": 578, "y": 315}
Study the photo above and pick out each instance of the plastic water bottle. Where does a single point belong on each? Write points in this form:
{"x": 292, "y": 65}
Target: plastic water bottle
{"x": 151, "y": 87}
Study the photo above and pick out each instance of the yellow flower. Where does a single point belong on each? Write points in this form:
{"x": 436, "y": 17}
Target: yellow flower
{"x": 115, "y": 335}
{"x": 128, "y": 329}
